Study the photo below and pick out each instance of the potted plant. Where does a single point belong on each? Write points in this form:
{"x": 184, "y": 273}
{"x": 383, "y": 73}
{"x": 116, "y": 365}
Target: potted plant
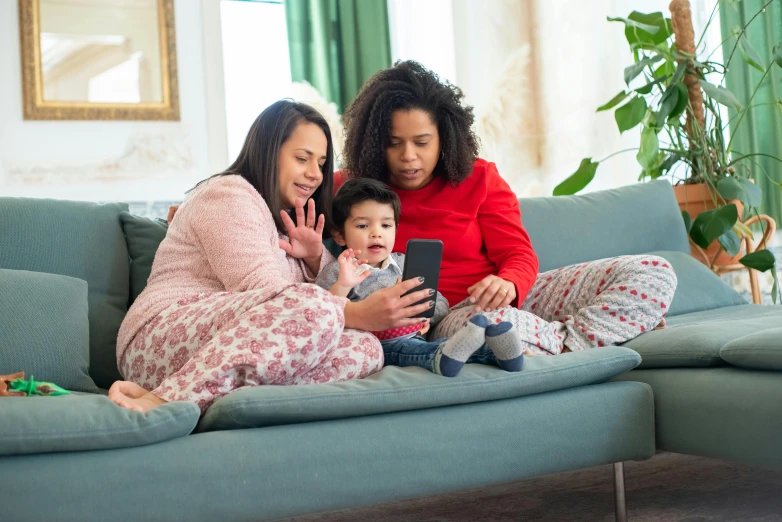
{"x": 676, "y": 98}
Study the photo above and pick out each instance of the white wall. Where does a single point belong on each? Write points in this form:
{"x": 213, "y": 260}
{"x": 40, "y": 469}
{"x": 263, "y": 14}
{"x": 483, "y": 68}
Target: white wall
{"x": 562, "y": 60}
{"x": 423, "y": 31}
{"x": 111, "y": 160}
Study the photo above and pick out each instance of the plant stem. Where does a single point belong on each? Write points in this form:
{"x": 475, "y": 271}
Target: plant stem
{"x": 746, "y": 109}
{"x": 711, "y": 17}
{"x": 744, "y": 29}
{"x": 617, "y": 153}
{"x": 754, "y": 154}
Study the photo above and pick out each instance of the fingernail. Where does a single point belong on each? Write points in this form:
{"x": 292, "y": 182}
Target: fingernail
{"x": 431, "y": 292}
{"x": 431, "y": 304}
{"x": 477, "y": 308}
{"x": 423, "y": 320}
{"x": 472, "y": 299}
{"x": 421, "y": 279}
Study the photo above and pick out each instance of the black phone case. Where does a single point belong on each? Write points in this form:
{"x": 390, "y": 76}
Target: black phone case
{"x": 422, "y": 259}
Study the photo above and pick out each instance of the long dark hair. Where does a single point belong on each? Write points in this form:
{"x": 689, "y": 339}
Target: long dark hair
{"x": 405, "y": 86}
{"x": 257, "y": 161}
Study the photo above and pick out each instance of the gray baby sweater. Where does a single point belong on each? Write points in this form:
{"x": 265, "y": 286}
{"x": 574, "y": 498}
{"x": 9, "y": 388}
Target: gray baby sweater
{"x": 382, "y": 277}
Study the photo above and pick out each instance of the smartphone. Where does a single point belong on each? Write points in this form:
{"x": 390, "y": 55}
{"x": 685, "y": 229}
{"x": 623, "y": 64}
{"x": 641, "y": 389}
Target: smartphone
{"x": 422, "y": 259}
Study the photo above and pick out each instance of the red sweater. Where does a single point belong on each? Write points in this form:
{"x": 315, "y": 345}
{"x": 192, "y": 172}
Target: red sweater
{"x": 479, "y": 223}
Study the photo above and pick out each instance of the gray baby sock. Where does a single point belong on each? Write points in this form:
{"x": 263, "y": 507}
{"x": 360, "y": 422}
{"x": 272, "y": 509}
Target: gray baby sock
{"x": 505, "y": 343}
{"x": 456, "y": 350}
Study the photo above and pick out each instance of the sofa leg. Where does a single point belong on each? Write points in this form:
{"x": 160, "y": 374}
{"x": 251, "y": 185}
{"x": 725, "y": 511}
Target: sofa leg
{"x": 620, "y": 507}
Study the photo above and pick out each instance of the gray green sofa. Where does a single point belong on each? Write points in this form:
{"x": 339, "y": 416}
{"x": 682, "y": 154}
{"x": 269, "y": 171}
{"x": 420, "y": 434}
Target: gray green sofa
{"x": 68, "y": 271}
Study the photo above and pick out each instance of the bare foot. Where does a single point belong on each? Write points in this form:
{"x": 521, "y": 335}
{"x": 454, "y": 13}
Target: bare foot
{"x": 133, "y": 397}
{"x": 660, "y": 326}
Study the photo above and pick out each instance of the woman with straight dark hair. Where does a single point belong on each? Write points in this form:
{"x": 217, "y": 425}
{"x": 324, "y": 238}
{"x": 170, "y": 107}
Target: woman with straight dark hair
{"x": 226, "y": 305}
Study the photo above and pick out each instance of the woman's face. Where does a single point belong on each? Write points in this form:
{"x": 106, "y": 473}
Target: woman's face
{"x": 300, "y": 163}
{"x": 413, "y": 149}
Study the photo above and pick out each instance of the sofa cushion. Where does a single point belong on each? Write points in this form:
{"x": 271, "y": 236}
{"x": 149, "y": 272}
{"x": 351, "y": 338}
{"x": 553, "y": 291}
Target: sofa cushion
{"x": 81, "y": 240}
{"x": 698, "y": 288}
{"x": 401, "y": 389}
{"x": 629, "y": 220}
{"x": 695, "y": 339}
{"x": 80, "y": 422}
{"x": 45, "y": 331}
{"x": 144, "y": 236}
{"x": 757, "y": 351}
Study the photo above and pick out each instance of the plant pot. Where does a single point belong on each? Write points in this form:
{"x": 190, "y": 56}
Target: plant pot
{"x": 695, "y": 199}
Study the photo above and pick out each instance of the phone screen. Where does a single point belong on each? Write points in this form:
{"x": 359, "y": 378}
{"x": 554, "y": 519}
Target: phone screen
{"x": 422, "y": 259}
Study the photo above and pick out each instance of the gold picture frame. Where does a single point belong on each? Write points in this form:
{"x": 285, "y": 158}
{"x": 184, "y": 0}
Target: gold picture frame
{"x": 37, "y": 108}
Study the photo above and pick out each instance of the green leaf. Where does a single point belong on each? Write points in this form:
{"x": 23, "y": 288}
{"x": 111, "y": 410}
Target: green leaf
{"x": 720, "y": 94}
{"x": 669, "y": 102}
{"x": 616, "y": 100}
{"x": 687, "y": 221}
{"x": 777, "y": 52}
{"x": 650, "y": 146}
{"x": 679, "y": 73}
{"x": 743, "y": 231}
{"x": 730, "y": 242}
{"x": 681, "y": 102}
{"x": 636, "y": 36}
{"x": 665, "y": 70}
{"x": 761, "y": 260}
{"x": 749, "y": 55}
{"x": 754, "y": 194}
{"x": 578, "y": 180}
{"x": 741, "y": 189}
{"x": 730, "y": 188}
{"x": 630, "y": 114}
{"x": 651, "y": 29}
{"x": 670, "y": 161}
{"x": 656, "y": 171}
{"x": 711, "y": 224}
{"x": 634, "y": 70}
{"x": 646, "y": 89}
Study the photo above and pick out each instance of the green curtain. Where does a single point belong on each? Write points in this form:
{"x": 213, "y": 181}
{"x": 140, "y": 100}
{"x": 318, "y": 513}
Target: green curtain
{"x": 336, "y": 45}
{"x": 761, "y": 130}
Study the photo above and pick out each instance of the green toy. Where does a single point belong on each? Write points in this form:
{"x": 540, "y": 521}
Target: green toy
{"x": 30, "y": 387}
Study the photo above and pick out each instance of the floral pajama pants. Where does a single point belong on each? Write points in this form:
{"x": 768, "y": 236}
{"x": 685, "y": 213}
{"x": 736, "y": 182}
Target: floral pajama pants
{"x": 205, "y": 346}
{"x": 588, "y": 305}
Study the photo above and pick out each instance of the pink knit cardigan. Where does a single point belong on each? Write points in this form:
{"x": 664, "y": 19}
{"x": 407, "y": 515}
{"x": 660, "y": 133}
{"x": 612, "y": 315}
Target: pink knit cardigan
{"x": 223, "y": 239}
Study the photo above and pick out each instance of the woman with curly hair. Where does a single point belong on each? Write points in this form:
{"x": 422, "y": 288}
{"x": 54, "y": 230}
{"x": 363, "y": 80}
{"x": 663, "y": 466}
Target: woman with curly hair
{"x": 412, "y": 131}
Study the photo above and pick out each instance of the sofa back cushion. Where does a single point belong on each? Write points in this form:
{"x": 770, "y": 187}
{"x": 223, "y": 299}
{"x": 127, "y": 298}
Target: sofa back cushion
{"x": 45, "y": 331}
{"x": 81, "y": 240}
{"x": 698, "y": 288}
{"x": 144, "y": 236}
{"x": 636, "y": 219}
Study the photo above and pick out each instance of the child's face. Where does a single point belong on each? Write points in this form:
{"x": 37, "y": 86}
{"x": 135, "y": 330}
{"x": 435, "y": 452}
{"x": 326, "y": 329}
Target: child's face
{"x": 371, "y": 229}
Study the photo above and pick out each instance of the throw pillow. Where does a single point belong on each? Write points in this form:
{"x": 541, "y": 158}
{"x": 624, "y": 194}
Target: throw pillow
{"x": 77, "y": 239}
{"x": 45, "y": 328}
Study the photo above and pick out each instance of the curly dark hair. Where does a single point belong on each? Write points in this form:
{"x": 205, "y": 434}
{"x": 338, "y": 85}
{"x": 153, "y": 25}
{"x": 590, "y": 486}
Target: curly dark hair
{"x": 405, "y": 86}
